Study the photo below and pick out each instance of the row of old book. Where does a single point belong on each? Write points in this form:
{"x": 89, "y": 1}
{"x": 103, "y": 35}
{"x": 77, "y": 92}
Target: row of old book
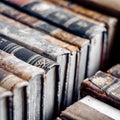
{"x": 100, "y": 98}
{"x": 63, "y": 48}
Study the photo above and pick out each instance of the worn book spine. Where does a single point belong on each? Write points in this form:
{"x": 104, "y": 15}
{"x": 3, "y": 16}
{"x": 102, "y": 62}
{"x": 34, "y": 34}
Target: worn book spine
{"x": 72, "y": 23}
{"x": 109, "y": 21}
{"x": 115, "y": 71}
{"x": 29, "y": 73}
{"x": 38, "y": 61}
{"x": 18, "y": 87}
{"x": 104, "y": 87}
{"x": 5, "y": 109}
{"x": 69, "y": 22}
{"x": 35, "y": 41}
{"x": 55, "y": 32}
{"x": 42, "y": 25}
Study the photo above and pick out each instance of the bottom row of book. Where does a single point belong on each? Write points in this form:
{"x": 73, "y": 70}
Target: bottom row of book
{"x": 100, "y": 98}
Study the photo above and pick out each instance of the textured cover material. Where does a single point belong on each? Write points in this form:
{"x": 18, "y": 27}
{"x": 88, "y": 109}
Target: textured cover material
{"x": 70, "y": 22}
{"x": 74, "y": 112}
{"x": 115, "y": 71}
{"x": 29, "y": 73}
{"x": 26, "y": 54}
{"x": 41, "y": 43}
{"x": 42, "y": 25}
{"x": 104, "y": 87}
{"x": 13, "y": 83}
{"x": 55, "y": 32}
{"x": 36, "y": 60}
{"x": 110, "y": 22}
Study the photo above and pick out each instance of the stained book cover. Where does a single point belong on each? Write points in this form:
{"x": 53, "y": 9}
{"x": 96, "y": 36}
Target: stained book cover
{"x": 91, "y": 109}
{"x": 29, "y": 73}
{"x": 109, "y": 21}
{"x": 36, "y": 41}
{"x": 104, "y": 87}
{"x": 41, "y": 43}
{"x": 5, "y": 95}
{"x": 115, "y": 71}
{"x": 18, "y": 87}
{"x": 75, "y": 24}
{"x": 51, "y": 69}
{"x": 59, "y": 34}
{"x": 111, "y": 7}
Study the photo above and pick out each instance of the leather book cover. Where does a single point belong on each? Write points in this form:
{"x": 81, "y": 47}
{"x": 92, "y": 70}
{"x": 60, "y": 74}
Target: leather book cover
{"x": 104, "y": 87}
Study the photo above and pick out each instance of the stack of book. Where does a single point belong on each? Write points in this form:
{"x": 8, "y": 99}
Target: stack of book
{"x": 47, "y": 49}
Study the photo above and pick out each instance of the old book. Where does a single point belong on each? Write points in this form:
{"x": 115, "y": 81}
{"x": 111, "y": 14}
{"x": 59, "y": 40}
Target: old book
{"x": 109, "y": 21}
{"x": 90, "y": 108}
{"x": 18, "y": 87}
{"x": 49, "y": 88}
{"x": 111, "y": 7}
{"x": 33, "y": 40}
{"x": 41, "y": 43}
{"x": 30, "y": 73}
{"x": 104, "y": 87}
{"x": 115, "y": 71}
{"x": 76, "y": 24}
{"x": 5, "y": 95}
{"x": 59, "y": 34}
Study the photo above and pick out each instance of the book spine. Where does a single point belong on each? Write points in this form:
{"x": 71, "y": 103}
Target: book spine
{"x": 43, "y": 26}
{"x": 63, "y": 19}
{"x": 26, "y": 54}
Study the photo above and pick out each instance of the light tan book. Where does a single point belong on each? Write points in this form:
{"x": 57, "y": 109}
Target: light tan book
{"x": 5, "y": 95}
{"x": 18, "y": 87}
{"x": 29, "y": 73}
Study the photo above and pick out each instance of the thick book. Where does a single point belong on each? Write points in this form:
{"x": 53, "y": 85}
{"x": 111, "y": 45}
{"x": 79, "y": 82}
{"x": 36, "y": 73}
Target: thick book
{"x": 109, "y": 21}
{"x": 111, "y": 7}
{"x": 38, "y": 42}
{"x": 90, "y": 108}
{"x": 73, "y": 23}
{"x": 59, "y": 34}
{"x": 115, "y": 71}
{"x": 104, "y": 87}
{"x": 30, "y": 73}
{"x": 18, "y": 87}
{"x": 5, "y": 95}
{"x": 51, "y": 68}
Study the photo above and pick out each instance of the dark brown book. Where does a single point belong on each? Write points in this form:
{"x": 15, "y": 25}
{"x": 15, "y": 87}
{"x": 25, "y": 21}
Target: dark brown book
{"x": 104, "y": 87}
{"x": 111, "y": 7}
{"x": 90, "y": 108}
{"x": 115, "y": 71}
